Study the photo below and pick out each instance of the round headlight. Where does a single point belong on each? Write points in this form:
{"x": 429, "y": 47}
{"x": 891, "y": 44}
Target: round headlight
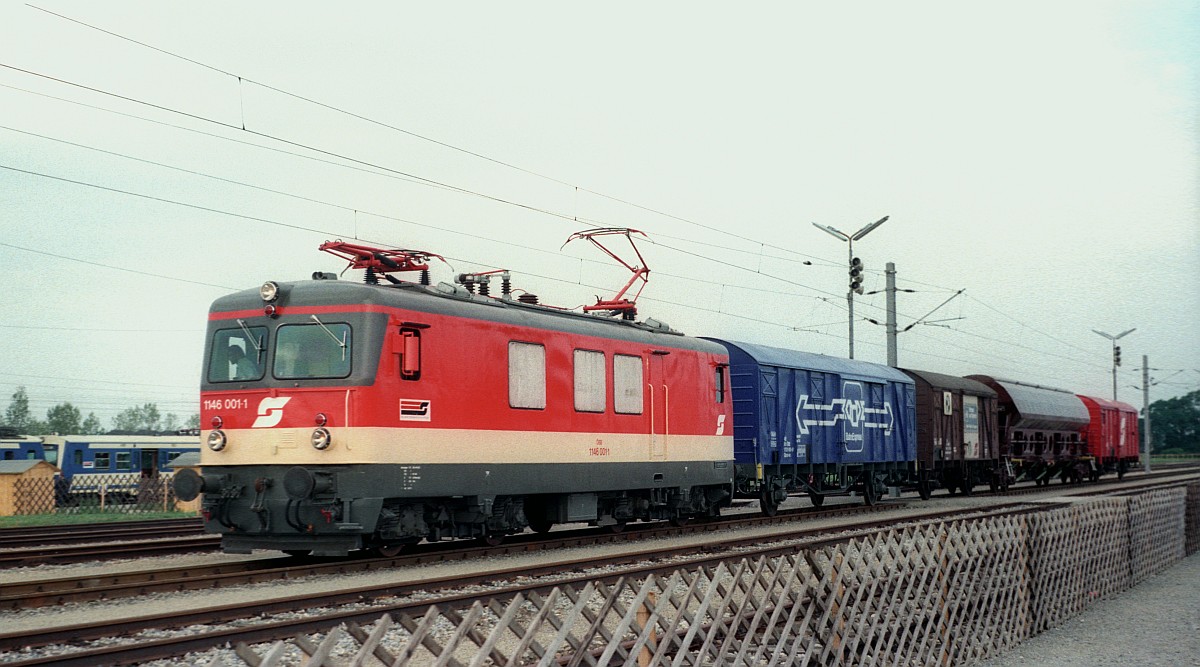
{"x": 268, "y": 291}
{"x": 216, "y": 440}
{"x": 321, "y": 438}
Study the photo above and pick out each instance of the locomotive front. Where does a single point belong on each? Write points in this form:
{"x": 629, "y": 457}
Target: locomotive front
{"x": 286, "y": 372}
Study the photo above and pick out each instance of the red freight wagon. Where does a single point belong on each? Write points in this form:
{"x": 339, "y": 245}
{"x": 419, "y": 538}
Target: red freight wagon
{"x": 1112, "y": 435}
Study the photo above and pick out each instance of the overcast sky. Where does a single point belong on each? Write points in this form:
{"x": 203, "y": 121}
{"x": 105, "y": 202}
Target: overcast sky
{"x": 1041, "y": 156}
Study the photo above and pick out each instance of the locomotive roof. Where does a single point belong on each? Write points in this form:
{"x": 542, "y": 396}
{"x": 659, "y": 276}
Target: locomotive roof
{"x": 952, "y": 382}
{"x": 452, "y": 300}
{"x": 776, "y": 356}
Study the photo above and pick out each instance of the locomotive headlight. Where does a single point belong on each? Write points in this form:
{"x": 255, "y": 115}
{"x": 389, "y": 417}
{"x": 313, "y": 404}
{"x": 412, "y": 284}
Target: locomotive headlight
{"x": 321, "y": 439}
{"x": 216, "y": 440}
{"x": 269, "y": 291}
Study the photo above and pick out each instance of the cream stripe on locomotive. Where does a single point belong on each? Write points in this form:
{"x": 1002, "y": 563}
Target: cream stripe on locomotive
{"x": 429, "y": 446}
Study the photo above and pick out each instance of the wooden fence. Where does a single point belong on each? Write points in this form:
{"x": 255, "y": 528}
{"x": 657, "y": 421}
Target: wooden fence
{"x": 952, "y": 593}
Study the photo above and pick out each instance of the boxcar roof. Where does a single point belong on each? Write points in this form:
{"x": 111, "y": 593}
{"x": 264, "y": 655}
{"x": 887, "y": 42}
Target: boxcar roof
{"x": 944, "y": 382}
{"x": 1040, "y": 405}
{"x": 1105, "y": 403}
{"x": 776, "y": 356}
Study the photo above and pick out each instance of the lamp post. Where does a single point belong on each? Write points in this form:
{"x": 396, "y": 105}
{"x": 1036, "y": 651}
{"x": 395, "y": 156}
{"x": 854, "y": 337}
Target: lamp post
{"x": 856, "y": 267}
{"x": 1116, "y": 353}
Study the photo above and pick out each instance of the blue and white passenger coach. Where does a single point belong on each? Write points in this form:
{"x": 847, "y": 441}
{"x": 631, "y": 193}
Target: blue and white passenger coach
{"x": 809, "y": 423}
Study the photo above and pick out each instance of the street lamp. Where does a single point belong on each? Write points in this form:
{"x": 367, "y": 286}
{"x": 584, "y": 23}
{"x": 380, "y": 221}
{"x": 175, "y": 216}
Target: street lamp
{"x": 1116, "y": 353}
{"x": 856, "y": 267}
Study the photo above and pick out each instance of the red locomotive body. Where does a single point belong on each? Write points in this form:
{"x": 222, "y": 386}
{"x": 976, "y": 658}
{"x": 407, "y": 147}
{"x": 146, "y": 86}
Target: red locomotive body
{"x": 342, "y": 416}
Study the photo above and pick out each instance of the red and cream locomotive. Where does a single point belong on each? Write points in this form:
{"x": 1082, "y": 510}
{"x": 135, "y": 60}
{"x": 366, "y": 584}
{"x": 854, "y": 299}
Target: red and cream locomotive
{"x": 343, "y": 415}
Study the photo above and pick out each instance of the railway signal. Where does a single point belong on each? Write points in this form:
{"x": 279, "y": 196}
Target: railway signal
{"x": 856, "y": 269}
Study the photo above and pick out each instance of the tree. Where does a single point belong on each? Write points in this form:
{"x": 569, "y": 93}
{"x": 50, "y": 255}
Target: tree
{"x": 138, "y": 418}
{"x": 63, "y": 418}
{"x": 193, "y": 421}
{"x": 1175, "y": 423}
{"x": 170, "y": 422}
{"x": 91, "y": 425}
{"x": 17, "y": 415}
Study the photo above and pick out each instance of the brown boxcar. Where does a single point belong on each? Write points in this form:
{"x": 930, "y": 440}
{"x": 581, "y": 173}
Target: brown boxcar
{"x": 958, "y": 443}
{"x": 1041, "y": 431}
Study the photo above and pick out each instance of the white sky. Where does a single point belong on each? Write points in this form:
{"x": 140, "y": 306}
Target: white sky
{"x": 1043, "y": 156}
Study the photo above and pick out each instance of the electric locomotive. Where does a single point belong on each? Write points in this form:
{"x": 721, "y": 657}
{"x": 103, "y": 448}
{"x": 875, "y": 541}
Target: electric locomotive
{"x": 341, "y": 416}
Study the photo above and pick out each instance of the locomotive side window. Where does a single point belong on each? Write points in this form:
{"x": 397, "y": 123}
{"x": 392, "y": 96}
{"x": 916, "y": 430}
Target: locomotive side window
{"x": 310, "y": 351}
{"x": 526, "y": 375}
{"x": 238, "y": 355}
{"x": 627, "y": 384}
{"x": 720, "y": 384}
{"x": 591, "y": 388}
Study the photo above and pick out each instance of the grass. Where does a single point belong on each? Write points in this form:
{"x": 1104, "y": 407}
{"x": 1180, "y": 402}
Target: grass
{"x": 75, "y": 518}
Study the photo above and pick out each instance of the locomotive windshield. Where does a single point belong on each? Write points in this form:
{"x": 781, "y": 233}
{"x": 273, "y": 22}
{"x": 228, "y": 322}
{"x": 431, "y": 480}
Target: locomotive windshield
{"x": 238, "y": 354}
{"x": 309, "y": 351}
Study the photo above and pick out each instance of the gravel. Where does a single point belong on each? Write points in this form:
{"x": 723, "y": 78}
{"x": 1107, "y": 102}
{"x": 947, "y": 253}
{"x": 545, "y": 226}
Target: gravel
{"x": 1156, "y": 622}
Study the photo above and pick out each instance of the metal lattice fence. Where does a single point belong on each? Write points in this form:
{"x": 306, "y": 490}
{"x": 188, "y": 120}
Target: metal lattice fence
{"x": 942, "y": 594}
{"x": 129, "y": 493}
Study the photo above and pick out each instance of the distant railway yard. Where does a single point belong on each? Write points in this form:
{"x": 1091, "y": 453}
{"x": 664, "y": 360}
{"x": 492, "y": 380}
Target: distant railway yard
{"x": 434, "y": 602}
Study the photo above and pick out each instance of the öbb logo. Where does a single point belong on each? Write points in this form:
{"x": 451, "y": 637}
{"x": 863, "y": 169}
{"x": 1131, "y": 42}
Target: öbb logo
{"x": 270, "y": 411}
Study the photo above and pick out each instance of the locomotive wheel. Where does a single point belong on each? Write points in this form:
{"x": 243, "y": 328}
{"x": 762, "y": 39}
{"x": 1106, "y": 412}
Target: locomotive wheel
{"x": 816, "y": 499}
{"x": 540, "y": 524}
{"x": 390, "y": 550}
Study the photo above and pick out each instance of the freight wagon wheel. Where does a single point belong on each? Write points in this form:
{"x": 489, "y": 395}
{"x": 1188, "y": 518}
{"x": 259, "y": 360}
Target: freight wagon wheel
{"x": 766, "y": 502}
{"x": 968, "y": 485}
{"x": 677, "y": 521}
{"x": 619, "y": 527}
{"x": 869, "y": 495}
{"x": 923, "y": 490}
{"x": 297, "y": 553}
{"x": 816, "y": 499}
{"x": 492, "y": 539}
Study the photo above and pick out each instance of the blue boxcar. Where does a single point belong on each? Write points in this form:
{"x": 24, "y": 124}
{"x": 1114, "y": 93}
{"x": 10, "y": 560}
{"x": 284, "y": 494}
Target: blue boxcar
{"x": 821, "y": 425}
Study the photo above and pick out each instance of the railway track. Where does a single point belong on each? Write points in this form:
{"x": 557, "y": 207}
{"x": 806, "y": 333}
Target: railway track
{"x": 14, "y": 538}
{"x": 444, "y": 590}
{"x": 447, "y": 591}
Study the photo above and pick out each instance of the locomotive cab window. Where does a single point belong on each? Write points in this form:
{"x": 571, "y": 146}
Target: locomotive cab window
{"x": 591, "y": 388}
{"x": 312, "y": 351}
{"x": 238, "y": 355}
{"x": 526, "y": 375}
{"x": 627, "y": 384}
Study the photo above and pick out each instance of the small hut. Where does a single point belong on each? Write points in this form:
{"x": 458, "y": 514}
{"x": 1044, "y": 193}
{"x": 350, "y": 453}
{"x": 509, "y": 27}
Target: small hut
{"x": 26, "y": 487}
